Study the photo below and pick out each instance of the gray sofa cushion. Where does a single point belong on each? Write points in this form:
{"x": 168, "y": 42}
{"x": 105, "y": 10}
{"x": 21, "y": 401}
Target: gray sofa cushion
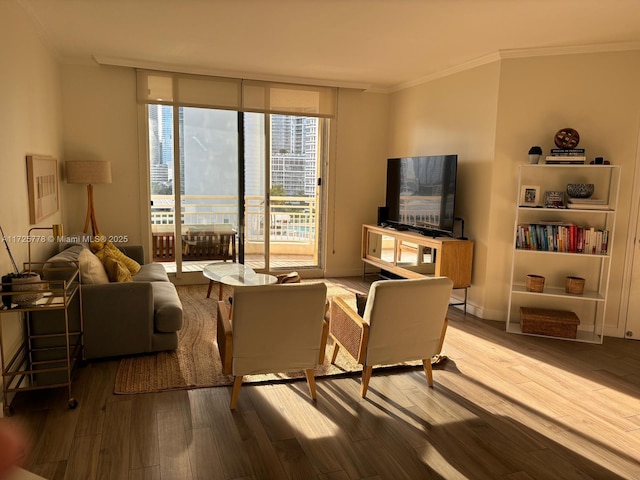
{"x": 167, "y": 306}
{"x": 151, "y": 272}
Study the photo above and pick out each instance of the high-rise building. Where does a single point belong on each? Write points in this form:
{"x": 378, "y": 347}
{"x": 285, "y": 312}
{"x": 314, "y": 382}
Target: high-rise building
{"x": 294, "y": 153}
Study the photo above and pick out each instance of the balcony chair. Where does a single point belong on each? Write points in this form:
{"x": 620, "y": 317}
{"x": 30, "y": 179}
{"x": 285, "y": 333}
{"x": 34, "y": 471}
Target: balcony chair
{"x": 403, "y": 320}
{"x": 272, "y": 328}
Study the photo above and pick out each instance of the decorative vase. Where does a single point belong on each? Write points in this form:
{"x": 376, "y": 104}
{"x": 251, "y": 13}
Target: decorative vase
{"x": 533, "y": 158}
{"x": 27, "y": 282}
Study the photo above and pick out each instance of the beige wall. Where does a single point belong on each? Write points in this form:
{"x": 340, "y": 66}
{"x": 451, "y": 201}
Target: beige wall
{"x": 357, "y": 173}
{"x": 30, "y": 124}
{"x": 100, "y": 123}
{"x": 456, "y": 115}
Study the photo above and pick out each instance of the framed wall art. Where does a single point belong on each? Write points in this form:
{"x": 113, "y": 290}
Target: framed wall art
{"x": 42, "y": 183}
{"x": 529, "y": 195}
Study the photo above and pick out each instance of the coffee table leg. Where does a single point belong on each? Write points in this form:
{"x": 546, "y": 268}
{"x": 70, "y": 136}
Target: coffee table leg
{"x": 220, "y": 291}
{"x": 209, "y": 289}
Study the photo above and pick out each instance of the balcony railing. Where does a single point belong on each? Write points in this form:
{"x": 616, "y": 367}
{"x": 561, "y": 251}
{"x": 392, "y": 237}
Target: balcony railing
{"x": 291, "y": 219}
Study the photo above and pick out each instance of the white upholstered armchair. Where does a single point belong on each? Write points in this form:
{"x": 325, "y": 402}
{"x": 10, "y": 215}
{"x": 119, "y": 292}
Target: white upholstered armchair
{"x": 403, "y": 320}
{"x": 272, "y": 329}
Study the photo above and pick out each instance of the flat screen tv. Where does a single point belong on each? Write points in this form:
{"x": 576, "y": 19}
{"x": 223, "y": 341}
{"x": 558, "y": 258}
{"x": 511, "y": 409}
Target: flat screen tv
{"x": 421, "y": 193}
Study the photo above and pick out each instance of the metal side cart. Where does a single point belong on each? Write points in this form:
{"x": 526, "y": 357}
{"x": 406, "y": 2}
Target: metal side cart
{"x": 47, "y": 312}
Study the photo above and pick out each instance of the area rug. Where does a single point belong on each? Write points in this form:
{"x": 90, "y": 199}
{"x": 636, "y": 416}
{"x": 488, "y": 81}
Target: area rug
{"x": 196, "y": 362}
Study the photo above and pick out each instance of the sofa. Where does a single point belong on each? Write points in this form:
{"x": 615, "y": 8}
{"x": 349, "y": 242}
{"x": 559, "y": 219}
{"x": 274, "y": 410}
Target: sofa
{"x": 142, "y": 315}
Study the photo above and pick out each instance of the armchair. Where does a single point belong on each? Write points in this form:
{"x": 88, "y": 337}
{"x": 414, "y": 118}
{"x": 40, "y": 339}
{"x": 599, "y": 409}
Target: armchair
{"x": 272, "y": 328}
{"x": 403, "y": 320}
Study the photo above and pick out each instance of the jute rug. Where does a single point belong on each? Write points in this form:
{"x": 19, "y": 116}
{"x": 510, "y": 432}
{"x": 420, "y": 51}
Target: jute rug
{"x": 196, "y": 362}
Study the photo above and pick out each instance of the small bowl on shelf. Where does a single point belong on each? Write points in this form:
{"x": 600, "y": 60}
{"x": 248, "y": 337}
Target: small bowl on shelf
{"x": 580, "y": 190}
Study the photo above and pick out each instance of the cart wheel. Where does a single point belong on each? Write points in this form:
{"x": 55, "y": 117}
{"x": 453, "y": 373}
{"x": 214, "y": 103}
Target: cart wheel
{"x": 7, "y": 410}
{"x": 73, "y": 403}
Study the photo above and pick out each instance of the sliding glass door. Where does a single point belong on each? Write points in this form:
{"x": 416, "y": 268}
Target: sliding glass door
{"x": 248, "y": 194}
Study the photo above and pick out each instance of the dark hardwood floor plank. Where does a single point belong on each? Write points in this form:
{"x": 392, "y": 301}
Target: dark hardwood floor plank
{"x": 83, "y": 459}
{"x": 203, "y": 454}
{"x": 262, "y": 454}
{"x": 384, "y": 462}
{"x": 173, "y": 446}
{"x": 143, "y": 433}
{"x": 113, "y": 458}
{"x": 267, "y": 400}
{"x": 50, "y": 471}
{"x": 147, "y": 473}
{"x": 53, "y": 443}
{"x": 234, "y": 460}
{"x": 294, "y": 460}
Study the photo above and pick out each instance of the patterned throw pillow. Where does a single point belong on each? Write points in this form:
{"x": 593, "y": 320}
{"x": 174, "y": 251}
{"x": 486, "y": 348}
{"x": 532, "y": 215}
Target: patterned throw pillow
{"x": 116, "y": 270}
{"x": 104, "y": 249}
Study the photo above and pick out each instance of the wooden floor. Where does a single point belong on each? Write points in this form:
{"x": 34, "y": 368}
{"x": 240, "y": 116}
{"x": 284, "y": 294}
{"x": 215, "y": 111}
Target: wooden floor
{"x": 503, "y": 407}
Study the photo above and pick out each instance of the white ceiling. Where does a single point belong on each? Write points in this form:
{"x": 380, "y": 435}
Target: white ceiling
{"x": 382, "y": 44}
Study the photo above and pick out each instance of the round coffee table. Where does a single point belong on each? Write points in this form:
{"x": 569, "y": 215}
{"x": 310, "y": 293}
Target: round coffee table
{"x": 251, "y": 279}
{"x": 234, "y": 274}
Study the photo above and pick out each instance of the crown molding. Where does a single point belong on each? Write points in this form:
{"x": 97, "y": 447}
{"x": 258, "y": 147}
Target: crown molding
{"x": 569, "y": 50}
{"x": 477, "y": 62}
{"x": 194, "y": 70}
{"x": 519, "y": 53}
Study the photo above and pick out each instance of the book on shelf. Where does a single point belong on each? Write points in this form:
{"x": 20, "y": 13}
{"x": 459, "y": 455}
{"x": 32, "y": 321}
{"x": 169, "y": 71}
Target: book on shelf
{"x": 566, "y": 238}
{"x": 565, "y": 159}
{"x": 568, "y": 151}
{"x": 590, "y": 200}
{"x": 588, "y": 204}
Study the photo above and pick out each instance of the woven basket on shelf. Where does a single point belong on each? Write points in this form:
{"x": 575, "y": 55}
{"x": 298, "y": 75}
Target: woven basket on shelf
{"x": 574, "y": 285}
{"x": 535, "y": 283}
{"x": 554, "y": 323}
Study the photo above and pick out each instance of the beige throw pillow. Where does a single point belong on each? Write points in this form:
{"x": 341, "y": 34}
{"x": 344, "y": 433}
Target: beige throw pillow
{"x": 92, "y": 271}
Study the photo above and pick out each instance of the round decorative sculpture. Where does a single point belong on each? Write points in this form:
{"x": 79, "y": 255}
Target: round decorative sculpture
{"x": 566, "y": 138}
{"x": 580, "y": 190}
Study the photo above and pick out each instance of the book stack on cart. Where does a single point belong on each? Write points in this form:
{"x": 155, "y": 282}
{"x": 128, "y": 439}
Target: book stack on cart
{"x": 566, "y": 156}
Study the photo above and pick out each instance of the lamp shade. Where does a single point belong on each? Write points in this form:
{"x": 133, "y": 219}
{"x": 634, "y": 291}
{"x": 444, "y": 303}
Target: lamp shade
{"x": 88, "y": 172}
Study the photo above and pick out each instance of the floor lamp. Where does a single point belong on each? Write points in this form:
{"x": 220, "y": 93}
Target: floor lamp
{"x": 89, "y": 173}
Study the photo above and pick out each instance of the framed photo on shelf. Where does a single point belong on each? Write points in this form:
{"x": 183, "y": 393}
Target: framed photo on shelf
{"x": 529, "y": 195}
{"x": 554, "y": 199}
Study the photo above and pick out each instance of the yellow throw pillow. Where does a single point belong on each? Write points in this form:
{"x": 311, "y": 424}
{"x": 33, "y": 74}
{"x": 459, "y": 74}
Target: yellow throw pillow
{"x": 104, "y": 249}
{"x": 116, "y": 270}
{"x": 130, "y": 263}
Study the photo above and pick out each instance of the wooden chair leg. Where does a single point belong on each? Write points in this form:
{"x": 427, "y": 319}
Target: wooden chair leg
{"x": 311, "y": 381}
{"x": 334, "y": 355}
{"x": 442, "y": 334}
{"x": 426, "y": 362}
{"x": 237, "y": 383}
{"x": 323, "y": 341}
{"x": 367, "y": 370}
